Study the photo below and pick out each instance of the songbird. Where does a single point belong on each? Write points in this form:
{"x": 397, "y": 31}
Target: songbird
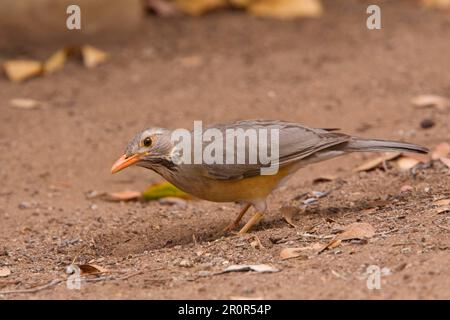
{"x": 298, "y": 146}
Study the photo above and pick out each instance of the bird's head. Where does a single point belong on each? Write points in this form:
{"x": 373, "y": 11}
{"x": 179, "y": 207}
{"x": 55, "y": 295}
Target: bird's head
{"x": 146, "y": 149}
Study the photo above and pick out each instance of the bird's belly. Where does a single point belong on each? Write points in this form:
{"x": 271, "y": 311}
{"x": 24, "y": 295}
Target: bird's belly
{"x": 246, "y": 189}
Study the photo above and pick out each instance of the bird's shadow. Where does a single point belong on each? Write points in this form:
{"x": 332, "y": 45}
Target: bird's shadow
{"x": 187, "y": 232}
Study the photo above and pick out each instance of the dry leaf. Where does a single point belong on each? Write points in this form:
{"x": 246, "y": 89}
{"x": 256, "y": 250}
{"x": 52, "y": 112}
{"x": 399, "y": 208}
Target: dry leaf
{"x": 445, "y": 161}
{"x": 26, "y": 104}
{"x": 324, "y": 178}
{"x": 56, "y": 61}
{"x": 20, "y": 70}
{"x": 438, "y": 4}
{"x": 442, "y": 150}
{"x": 91, "y": 269}
{"x": 4, "y": 272}
{"x": 92, "y": 57}
{"x": 357, "y": 230}
{"x": 442, "y": 202}
{"x": 163, "y": 190}
{"x": 260, "y": 268}
{"x": 286, "y": 9}
{"x": 431, "y": 101}
{"x": 288, "y": 213}
{"x": 443, "y": 205}
{"x": 123, "y": 195}
{"x": 406, "y": 163}
{"x": 289, "y": 253}
{"x": 162, "y": 8}
{"x": 199, "y": 7}
{"x": 375, "y": 163}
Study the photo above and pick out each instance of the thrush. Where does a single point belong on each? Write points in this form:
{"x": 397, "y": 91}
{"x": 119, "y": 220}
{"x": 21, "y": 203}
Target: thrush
{"x": 298, "y": 146}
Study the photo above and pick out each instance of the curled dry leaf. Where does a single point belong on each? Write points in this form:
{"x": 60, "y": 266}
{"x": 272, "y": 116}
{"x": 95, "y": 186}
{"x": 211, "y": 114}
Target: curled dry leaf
{"x": 431, "y": 101}
{"x": 324, "y": 178}
{"x": 443, "y": 205}
{"x": 92, "y": 57}
{"x": 358, "y": 230}
{"x": 260, "y": 268}
{"x": 442, "y": 150}
{"x": 199, "y": 7}
{"x": 286, "y": 9}
{"x": 91, "y": 269}
{"x": 442, "y": 202}
{"x": 288, "y": 213}
{"x": 26, "y": 104}
{"x": 20, "y": 70}
{"x": 406, "y": 163}
{"x": 377, "y": 162}
{"x": 4, "y": 272}
{"x": 56, "y": 61}
{"x": 123, "y": 195}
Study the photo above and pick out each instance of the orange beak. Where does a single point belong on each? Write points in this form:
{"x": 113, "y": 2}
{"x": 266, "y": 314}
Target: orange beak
{"x": 124, "y": 162}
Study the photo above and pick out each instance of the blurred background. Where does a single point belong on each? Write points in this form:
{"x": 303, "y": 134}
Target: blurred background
{"x": 71, "y": 99}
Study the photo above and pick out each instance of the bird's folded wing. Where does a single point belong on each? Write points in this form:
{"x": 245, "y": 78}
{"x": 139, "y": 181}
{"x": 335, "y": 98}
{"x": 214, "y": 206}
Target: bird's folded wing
{"x": 296, "y": 142}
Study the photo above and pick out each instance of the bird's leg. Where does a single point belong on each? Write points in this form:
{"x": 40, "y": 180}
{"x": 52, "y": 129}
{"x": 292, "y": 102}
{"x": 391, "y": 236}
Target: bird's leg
{"x": 250, "y": 223}
{"x": 236, "y": 221}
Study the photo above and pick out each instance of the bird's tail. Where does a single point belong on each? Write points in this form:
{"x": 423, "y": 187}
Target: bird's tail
{"x": 364, "y": 145}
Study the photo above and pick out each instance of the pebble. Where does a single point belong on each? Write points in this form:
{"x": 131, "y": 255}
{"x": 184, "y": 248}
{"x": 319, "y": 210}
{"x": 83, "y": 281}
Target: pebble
{"x": 427, "y": 123}
{"x": 25, "y": 205}
{"x": 185, "y": 263}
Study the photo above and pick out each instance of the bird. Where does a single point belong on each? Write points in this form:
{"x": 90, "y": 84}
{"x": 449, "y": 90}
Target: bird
{"x": 244, "y": 183}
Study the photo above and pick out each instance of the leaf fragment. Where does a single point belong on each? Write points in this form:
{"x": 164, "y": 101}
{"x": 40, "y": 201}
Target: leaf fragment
{"x": 20, "y": 70}
{"x": 357, "y": 230}
{"x": 286, "y": 9}
{"x": 92, "y": 57}
{"x": 4, "y": 272}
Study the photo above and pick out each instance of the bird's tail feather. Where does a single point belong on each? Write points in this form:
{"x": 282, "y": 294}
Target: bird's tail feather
{"x": 365, "y": 145}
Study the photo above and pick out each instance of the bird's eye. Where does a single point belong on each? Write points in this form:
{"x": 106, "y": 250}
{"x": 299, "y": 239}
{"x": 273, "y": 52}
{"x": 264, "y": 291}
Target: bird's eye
{"x": 147, "y": 142}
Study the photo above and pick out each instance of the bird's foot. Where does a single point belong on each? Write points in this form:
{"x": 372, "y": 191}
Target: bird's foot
{"x": 250, "y": 223}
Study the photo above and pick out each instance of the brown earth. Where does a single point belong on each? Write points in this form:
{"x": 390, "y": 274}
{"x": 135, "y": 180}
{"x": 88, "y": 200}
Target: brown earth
{"x": 328, "y": 72}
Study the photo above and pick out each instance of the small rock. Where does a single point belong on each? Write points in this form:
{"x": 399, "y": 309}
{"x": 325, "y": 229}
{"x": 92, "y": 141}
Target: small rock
{"x": 427, "y": 123}
{"x": 185, "y": 263}
{"x": 25, "y": 205}
{"x": 204, "y": 273}
{"x": 406, "y": 188}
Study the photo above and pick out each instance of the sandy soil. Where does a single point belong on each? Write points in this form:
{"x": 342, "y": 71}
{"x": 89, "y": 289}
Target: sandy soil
{"x": 329, "y": 72}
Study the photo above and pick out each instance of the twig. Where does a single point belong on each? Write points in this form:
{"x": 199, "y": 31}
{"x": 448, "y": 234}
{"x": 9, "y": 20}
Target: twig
{"x": 58, "y": 281}
{"x": 33, "y": 290}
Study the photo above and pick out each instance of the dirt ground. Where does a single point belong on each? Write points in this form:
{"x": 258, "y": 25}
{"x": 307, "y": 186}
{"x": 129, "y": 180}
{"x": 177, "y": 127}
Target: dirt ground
{"x": 327, "y": 72}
